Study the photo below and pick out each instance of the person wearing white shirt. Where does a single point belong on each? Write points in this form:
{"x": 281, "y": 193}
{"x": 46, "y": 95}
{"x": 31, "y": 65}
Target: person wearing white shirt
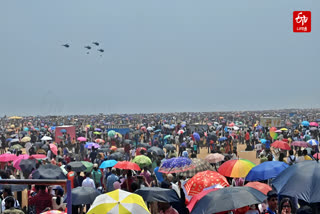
{"x": 88, "y": 182}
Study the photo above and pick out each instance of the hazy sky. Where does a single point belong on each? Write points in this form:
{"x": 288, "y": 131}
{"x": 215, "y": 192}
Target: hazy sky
{"x": 160, "y": 56}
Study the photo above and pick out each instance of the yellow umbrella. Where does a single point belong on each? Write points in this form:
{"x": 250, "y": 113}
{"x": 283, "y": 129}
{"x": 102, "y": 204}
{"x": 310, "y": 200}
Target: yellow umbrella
{"x": 118, "y": 202}
{"x": 12, "y": 126}
{"x": 119, "y": 135}
{"x": 26, "y": 139}
{"x": 284, "y": 129}
{"x": 15, "y": 118}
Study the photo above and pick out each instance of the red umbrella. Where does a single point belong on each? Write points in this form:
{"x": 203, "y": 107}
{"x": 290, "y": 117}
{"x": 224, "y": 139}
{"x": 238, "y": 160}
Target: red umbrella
{"x": 281, "y": 145}
{"x": 203, "y": 180}
{"x": 197, "y": 197}
{"x": 99, "y": 141}
{"x": 53, "y": 148}
{"x": 127, "y": 165}
{"x": 139, "y": 150}
{"x": 316, "y": 156}
{"x": 264, "y": 188}
{"x": 8, "y": 157}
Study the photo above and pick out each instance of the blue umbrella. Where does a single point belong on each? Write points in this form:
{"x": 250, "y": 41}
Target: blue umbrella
{"x": 196, "y": 136}
{"x": 263, "y": 141}
{"x": 313, "y": 142}
{"x": 258, "y": 127}
{"x": 175, "y": 165}
{"x": 8, "y": 139}
{"x": 222, "y": 139}
{"x": 266, "y": 170}
{"x": 184, "y": 144}
{"x": 158, "y": 130}
{"x": 108, "y": 163}
{"x": 301, "y": 181}
{"x": 305, "y": 123}
{"x": 63, "y": 131}
{"x": 53, "y": 128}
{"x": 97, "y": 129}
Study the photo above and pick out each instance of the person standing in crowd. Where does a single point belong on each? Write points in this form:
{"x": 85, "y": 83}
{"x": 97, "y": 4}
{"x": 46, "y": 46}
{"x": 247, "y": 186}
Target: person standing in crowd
{"x": 41, "y": 201}
{"x": 7, "y": 193}
{"x": 272, "y": 199}
{"x": 111, "y": 179}
{"x": 10, "y": 207}
{"x": 88, "y": 182}
{"x": 96, "y": 175}
{"x": 70, "y": 175}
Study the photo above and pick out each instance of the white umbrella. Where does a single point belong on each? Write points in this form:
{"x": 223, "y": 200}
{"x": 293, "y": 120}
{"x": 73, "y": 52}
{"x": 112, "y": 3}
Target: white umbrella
{"x": 46, "y": 138}
{"x": 149, "y": 128}
{"x": 236, "y": 128}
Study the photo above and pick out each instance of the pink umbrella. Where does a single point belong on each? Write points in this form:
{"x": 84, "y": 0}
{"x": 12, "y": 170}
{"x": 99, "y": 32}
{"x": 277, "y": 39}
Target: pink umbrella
{"x": 278, "y": 131}
{"x": 82, "y": 139}
{"x": 231, "y": 125}
{"x": 16, "y": 163}
{"x": 7, "y": 157}
{"x": 180, "y": 132}
{"x": 53, "y": 148}
{"x": 38, "y": 156}
{"x": 313, "y": 124}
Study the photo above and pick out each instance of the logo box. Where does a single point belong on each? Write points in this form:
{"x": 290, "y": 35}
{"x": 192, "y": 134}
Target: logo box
{"x": 302, "y": 21}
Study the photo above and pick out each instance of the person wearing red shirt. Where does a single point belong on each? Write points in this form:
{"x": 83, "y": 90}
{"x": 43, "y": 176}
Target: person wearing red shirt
{"x": 70, "y": 175}
{"x": 41, "y": 200}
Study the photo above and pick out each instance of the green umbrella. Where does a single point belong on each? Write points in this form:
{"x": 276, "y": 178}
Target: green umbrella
{"x": 142, "y": 161}
{"x": 16, "y": 146}
{"x": 88, "y": 165}
{"x": 167, "y": 136}
{"x": 111, "y": 133}
{"x": 96, "y": 133}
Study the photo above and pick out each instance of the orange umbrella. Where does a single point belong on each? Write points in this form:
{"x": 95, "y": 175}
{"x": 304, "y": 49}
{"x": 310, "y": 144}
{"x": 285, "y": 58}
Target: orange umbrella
{"x": 264, "y": 188}
{"x": 113, "y": 148}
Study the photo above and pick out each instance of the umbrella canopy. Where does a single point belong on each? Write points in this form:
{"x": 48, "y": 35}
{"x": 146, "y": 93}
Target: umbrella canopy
{"x": 63, "y": 131}
{"x": 53, "y": 212}
{"x": 222, "y": 139}
{"x": 48, "y": 171}
{"x": 228, "y": 198}
{"x": 38, "y": 156}
{"x": 97, "y": 133}
{"x": 127, "y": 165}
{"x": 111, "y": 133}
{"x": 116, "y": 156}
{"x": 264, "y": 188}
{"x": 150, "y": 194}
{"x": 8, "y": 157}
{"x": 82, "y": 139}
{"x": 142, "y": 161}
{"x": 281, "y": 145}
{"x": 174, "y": 165}
{"x": 108, "y": 163}
{"x": 27, "y": 165}
{"x": 91, "y": 145}
{"x": 77, "y": 166}
{"x": 156, "y": 150}
{"x": 84, "y": 195}
{"x": 16, "y": 147}
{"x": 200, "y": 166}
{"x": 118, "y": 202}
{"x": 180, "y": 131}
{"x": 16, "y": 162}
{"x": 53, "y": 148}
{"x": 194, "y": 200}
{"x": 313, "y": 142}
{"x": 300, "y": 144}
{"x": 44, "y": 138}
{"x": 284, "y": 129}
{"x": 138, "y": 150}
{"x": 196, "y": 136}
{"x": 203, "y": 180}
{"x": 214, "y": 158}
{"x": 236, "y": 168}
{"x": 300, "y": 180}
{"x": 305, "y": 123}
{"x": 25, "y": 139}
{"x": 99, "y": 141}
{"x": 266, "y": 170}
{"x": 166, "y": 137}
{"x": 313, "y": 124}
{"x": 169, "y": 147}
{"x": 145, "y": 145}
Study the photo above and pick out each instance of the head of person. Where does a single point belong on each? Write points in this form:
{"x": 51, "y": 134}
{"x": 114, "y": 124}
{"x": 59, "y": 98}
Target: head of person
{"x": 281, "y": 157}
{"x": 304, "y": 210}
{"x": 7, "y": 192}
{"x": 95, "y": 167}
{"x": 291, "y": 152}
{"x": 170, "y": 177}
{"x": 305, "y": 152}
{"x": 69, "y": 168}
{"x": 299, "y": 153}
{"x": 163, "y": 206}
{"x": 113, "y": 171}
{"x": 9, "y": 202}
{"x": 88, "y": 174}
{"x": 272, "y": 198}
{"x": 285, "y": 206}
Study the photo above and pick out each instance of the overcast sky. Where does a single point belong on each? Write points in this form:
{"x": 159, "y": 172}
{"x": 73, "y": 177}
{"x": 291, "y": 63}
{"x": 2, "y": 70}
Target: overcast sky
{"x": 160, "y": 56}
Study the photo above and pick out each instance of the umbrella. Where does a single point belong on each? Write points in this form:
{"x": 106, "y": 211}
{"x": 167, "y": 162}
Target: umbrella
{"x": 300, "y": 144}
{"x": 266, "y": 170}
{"x": 305, "y": 123}
{"x": 149, "y": 128}
{"x": 27, "y": 165}
{"x": 77, "y": 166}
{"x": 82, "y": 139}
{"x": 63, "y": 131}
{"x": 84, "y": 195}
{"x": 88, "y": 166}
{"x": 142, "y": 161}
{"x": 14, "y": 140}
{"x": 281, "y": 145}
{"x": 158, "y": 130}
{"x": 284, "y": 129}
{"x": 138, "y": 150}
{"x": 25, "y": 139}
{"x": 203, "y": 180}
{"x": 45, "y": 147}
{"x": 228, "y": 198}
{"x": 263, "y": 141}
{"x": 127, "y": 165}
{"x": 264, "y": 188}
{"x": 97, "y": 133}
{"x": 14, "y": 187}
{"x": 301, "y": 181}
{"x": 314, "y": 124}
{"x": 97, "y": 129}
{"x": 16, "y": 147}
{"x": 313, "y": 128}
{"x": 116, "y": 156}
{"x": 169, "y": 147}
{"x": 61, "y": 137}
{"x": 92, "y": 145}
{"x": 214, "y": 158}
{"x": 313, "y": 142}
{"x": 111, "y": 133}
{"x": 236, "y": 168}
{"x": 222, "y": 139}
{"x": 200, "y": 166}
{"x": 145, "y": 145}
{"x": 174, "y": 165}
{"x": 156, "y": 150}
{"x": 48, "y": 171}
{"x": 16, "y": 162}
{"x": 8, "y": 157}
{"x": 53, "y": 148}
{"x": 117, "y": 202}
{"x": 38, "y": 156}
{"x": 99, "y": 141}
{"x": 196, "y": 136}
{"x": 113, "y": 148}
{"x": 194, "y": 200}
{"x": 278, "y": 131}
{"x": 150, "y": 194}
{"x": 166, "y": 137}
{"x": 44, "y": 138}
{"x": 108, "y": 163}
{"x": 53, "y": 212}
{"x": 180, "y": 131}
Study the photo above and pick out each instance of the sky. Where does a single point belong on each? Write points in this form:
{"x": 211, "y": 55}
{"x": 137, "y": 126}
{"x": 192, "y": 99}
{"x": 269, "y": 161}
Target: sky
{"x": 160, "y": 56}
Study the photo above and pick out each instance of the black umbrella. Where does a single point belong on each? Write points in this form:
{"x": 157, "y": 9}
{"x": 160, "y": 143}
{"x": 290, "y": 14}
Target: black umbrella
{"x": 45, "y": 147}
{"x": 169, "y": 147}
{"x": 301, "y": 181}
{"x": 127, "y": 141}
{"x": 150, "y": 194}
{"x": 77, "y": 166}
{"x": 156, "y": 150}
{"x": 27, "y": 165}
{"x": 103, "y": 150}
{"x": 39, "y": 144}
{"x": 228, "y": 198}
{"x": 14, "y": 187}
{"x": 84, "y": 195}
{"x": 115, "y": 156}
{"x": 145, "y": 145}
{"x": 48, "y": 171}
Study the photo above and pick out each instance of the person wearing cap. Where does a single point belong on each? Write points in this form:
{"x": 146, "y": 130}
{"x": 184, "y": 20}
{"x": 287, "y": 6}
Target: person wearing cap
{"x": 57, "y": 200}
{"x": 96, "y": 175}
{"x": 272, "y": 199}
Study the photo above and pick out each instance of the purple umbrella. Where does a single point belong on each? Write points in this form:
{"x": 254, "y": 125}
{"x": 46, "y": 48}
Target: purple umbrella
{"x": 97, "y": 129}
{"x": 91, "y": 144}
{"x": 300, "y": 143}
{"x": 196, "y": 136}
{"x": 184, "y": 144}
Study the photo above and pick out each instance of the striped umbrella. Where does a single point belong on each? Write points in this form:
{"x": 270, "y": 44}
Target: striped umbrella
{"x": 236, "y": 168}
